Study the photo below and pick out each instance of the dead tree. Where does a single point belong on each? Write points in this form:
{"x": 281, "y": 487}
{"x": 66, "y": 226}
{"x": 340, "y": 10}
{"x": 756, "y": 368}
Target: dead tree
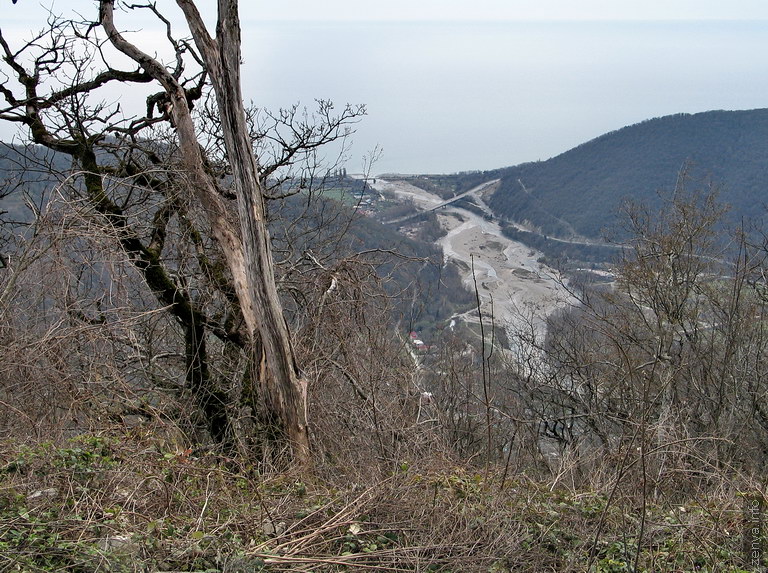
{"x": 249, "y": 254}
{"x": 59, "y": 119}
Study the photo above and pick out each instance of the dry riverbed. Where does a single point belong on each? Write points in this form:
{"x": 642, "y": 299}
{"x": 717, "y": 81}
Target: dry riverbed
{"x": 511, "y": 282}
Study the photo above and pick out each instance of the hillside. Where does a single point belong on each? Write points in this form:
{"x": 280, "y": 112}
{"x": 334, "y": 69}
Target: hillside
{"x": 624, "y": 434}
{"x": 580, "y": 191}
{"x": 423, "y": 290}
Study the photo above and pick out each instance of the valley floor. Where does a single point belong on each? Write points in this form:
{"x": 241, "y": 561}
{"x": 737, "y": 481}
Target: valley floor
{"x": 514, "y": 287}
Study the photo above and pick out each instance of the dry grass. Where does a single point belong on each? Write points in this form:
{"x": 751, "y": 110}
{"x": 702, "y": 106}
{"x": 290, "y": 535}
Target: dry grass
{"x": 118, "y": 502}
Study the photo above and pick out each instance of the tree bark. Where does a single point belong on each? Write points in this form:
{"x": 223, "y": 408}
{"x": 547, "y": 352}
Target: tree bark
{"x": 248, "y": 252}
{"x": 211, "y": 401}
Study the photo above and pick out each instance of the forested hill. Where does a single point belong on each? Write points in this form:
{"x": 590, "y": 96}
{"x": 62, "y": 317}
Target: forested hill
{"x": 581, "y": 190}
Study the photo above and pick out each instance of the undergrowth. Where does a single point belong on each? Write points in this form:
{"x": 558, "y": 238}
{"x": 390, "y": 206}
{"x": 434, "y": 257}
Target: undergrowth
{"x": 118, "y": 502}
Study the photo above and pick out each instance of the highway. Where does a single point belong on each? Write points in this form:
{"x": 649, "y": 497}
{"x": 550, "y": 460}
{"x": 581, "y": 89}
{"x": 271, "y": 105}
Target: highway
{"x": 442, "y": 203}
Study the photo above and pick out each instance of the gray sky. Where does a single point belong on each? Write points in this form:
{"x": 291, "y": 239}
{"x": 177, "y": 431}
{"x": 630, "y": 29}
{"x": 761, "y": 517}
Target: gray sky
{"x": 455, "y": 85}
{"x": 495, "y": 10}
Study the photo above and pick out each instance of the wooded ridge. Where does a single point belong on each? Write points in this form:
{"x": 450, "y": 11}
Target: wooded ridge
{"x": 580, "y": 191}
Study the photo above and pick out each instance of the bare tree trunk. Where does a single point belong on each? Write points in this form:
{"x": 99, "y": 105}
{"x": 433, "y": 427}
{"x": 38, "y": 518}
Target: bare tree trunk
{"x": 212, "y": 402}
{"x": 248, "y": 252}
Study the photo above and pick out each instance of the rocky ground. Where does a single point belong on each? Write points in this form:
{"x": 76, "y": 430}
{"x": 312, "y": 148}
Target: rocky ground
{"x": 512, "y": 284}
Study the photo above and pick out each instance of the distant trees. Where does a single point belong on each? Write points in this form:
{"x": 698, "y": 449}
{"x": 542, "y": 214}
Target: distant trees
{"x": 636, "y": 161}
{"x": 159, "y": 185}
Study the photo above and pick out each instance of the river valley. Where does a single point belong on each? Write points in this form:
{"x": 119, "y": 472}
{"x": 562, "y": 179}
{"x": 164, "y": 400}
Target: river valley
{"x": 514, "y": 287}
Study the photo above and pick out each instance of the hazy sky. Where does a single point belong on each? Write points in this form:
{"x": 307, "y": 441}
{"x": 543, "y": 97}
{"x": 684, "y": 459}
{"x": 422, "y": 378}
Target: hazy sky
{"x": 456, "y": 85}
{"x": 495, "y": 10}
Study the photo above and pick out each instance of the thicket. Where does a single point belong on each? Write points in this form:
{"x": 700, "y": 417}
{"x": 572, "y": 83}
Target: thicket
{"x": 140, "y": 429}
{"x": 628, "y": 436}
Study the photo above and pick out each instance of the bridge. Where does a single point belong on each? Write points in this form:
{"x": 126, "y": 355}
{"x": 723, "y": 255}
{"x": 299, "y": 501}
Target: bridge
{"x": 445, "y": 203}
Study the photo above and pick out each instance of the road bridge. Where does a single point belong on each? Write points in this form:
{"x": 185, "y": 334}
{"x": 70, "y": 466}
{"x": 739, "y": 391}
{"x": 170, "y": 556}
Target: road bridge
{"x": 445, "y": 203}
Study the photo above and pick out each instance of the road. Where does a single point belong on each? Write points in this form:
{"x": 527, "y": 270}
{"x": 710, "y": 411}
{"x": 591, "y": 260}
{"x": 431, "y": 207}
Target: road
{"x": 445, "y": 202}
{"x": 513, "y": 285}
